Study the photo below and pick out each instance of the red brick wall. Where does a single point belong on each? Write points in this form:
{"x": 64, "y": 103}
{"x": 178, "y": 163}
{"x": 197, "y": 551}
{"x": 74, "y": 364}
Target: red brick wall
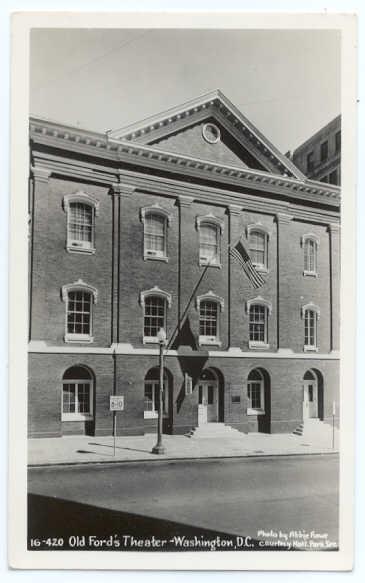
{"x": 285, "y": 392}
{"x": 55, "y": 267}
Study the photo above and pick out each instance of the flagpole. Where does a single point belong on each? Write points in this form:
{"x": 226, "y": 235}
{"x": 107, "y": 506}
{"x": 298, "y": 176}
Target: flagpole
{"x": 172, "y": 337}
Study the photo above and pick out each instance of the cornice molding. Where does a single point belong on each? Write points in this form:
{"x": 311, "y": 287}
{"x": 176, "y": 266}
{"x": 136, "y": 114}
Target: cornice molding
{"x": 234, "y": 210}
{"x": 178, "y": 163}
{"x": 120, "y": 189}
{"x": 211, "y": 104}
{"x": 175, "y": 188}
{"x": 334, "y": 228}
{"x": 185, "y": 201}
{"x": 283, "y": 218}
{"x": 41, "y": 174}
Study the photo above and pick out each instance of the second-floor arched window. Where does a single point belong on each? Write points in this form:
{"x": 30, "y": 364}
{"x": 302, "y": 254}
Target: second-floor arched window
{"x": 310, "y": 245}
{"x": 155, "y": 220}
{"x": 258, "y": 238}
{"x": 210, "y": 230}
{"x": 81, "y": 211}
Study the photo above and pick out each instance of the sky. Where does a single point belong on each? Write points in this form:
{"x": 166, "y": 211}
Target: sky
{"x": 287, "y": 83}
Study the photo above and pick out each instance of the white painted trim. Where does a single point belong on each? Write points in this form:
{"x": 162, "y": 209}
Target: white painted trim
{"x": 155, "y": 209}
{"x": 258, "y": 227}
{"x": 313, "y": 307}
{"x": 206, "y": 136}
{"x": 83, "y": 197}
{"x": 79, "y": 285}
{"x": 310, "y": 237}
{"x": 210, "y": 218}
{"x": 210, "y": 296}
{"x": 259, "y": 301}
{"x": 41, "y": 347}
{"x": 155, "y": 291}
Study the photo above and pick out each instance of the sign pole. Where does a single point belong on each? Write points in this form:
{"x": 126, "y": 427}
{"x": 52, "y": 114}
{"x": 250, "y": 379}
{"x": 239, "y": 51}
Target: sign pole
{"x": 116, "y": 404}
{"x": 333, "y": 424}
{"x": 114, "y": 430}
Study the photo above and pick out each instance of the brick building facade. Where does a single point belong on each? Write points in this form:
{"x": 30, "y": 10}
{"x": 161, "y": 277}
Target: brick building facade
{"x": 319, "y": 157}
{"x": 131, "y": 231}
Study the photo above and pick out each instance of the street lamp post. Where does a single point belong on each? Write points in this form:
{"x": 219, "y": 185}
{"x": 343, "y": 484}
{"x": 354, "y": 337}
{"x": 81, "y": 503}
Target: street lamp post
{"x": 159, "y": 448}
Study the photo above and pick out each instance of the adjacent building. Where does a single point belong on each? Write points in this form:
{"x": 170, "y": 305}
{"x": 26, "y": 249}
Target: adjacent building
{"x": 319, "y": 158}
{"x": 131, "y": 232}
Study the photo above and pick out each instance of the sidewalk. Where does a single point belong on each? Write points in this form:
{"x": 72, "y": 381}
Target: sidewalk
{"x": 85, "y": 449}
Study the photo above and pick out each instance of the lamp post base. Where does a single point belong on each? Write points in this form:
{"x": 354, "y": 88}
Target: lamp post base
{"x": 158, "y": 449}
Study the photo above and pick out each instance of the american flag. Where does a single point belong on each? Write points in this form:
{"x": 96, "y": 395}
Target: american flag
{"x": 241, "y": 255}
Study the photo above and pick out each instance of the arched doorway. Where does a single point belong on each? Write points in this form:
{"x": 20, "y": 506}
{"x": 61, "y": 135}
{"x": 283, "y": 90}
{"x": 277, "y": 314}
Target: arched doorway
{"x": 259, "y": 400}
{"x": 151, "y": 397}
{"x": 209, "y": 401}
{"x": 312, "y": 395}
{"x": 77, "y": 412}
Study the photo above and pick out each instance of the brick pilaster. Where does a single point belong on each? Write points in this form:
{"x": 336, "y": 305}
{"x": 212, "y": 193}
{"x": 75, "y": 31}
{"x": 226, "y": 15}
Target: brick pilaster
{"x": 38, "y": 253}
{"x": 335, "y": 252}
{"x": 283, "y": 291}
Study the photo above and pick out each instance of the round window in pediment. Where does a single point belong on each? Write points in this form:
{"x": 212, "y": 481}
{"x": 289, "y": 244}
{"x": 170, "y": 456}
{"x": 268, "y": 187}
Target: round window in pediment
{"x": 211, "y": 133}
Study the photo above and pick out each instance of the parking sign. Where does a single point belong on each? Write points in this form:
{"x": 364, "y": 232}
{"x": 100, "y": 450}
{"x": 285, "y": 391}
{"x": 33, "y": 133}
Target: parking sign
{"x": 116, "y": 402}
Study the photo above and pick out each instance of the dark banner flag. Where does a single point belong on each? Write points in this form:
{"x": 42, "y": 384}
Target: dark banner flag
{"x": 240, "y": 254}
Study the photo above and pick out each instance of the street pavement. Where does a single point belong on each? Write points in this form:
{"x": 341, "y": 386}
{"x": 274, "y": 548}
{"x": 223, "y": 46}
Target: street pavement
{"x": 263, "y": 498}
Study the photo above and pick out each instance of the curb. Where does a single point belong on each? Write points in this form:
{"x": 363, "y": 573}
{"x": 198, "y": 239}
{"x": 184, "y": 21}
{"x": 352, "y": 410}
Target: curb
{"x": 177, "y": 459}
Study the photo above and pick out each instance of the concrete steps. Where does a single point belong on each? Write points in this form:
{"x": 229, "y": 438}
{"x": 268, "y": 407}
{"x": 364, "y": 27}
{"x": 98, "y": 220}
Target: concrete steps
{"x": 316, "y": 431}
{"x": 214, "y": 430}
{"x": 299, "y": 430}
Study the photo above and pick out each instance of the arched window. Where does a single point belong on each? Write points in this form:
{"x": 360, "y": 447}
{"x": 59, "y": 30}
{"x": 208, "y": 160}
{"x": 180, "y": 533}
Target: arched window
{"x": 151, "y": 393}
{"x": 255, "y": 393}
{"x": 155, "y": 220}
{"x": 258, "y": 312}
{"x": 81, "y": 210}
{"x": 79, "y": 298}
{"x": 77, "y": 394}
{"x": 209, "y": 244}
{"x": 209, "y": 306}
{"x": 154, "y": 303}
{"x": 310, "y": 249}
{"x": 258, "y": 245}
{"x": 310, "y": 314}
{"x": 210, "y": 230}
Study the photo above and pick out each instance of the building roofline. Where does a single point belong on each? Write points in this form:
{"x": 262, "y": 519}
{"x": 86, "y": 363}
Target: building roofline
{"x": 210, "y": 99}
{"x": 314, "y": 136}
{"x": 51, "y": 133}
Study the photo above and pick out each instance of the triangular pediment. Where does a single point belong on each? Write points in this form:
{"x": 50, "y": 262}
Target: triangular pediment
{"x": 210, "y": 128}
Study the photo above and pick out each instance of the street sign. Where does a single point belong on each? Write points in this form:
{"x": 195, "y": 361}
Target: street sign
{"x": 116, "y": 402}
